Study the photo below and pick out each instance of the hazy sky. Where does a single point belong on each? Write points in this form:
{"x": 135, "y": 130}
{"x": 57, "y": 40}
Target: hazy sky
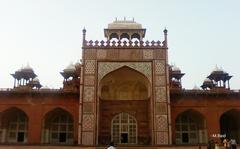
{"x": 47, "y": 34}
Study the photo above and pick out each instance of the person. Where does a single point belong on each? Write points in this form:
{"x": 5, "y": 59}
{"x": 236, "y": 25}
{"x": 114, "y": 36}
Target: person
{"x": 225, "y": 143}
{"x": 111, "y": 146}
{"x": 211, "y": 144}
{"x": 216, "y": 145}
{"x": 233, "y": 143}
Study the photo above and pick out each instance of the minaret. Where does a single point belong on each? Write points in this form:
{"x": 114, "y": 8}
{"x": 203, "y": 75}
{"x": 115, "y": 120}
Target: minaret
{"x": 84, "y": 36}
{"x": 165, "y": 42}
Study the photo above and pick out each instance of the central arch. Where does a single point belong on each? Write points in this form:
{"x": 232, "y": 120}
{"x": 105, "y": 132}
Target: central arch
{"x": 124, "y": 90}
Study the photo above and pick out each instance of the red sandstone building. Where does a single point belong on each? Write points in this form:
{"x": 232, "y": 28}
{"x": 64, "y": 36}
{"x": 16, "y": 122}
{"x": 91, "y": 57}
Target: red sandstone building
{"x": 123, "y": 90}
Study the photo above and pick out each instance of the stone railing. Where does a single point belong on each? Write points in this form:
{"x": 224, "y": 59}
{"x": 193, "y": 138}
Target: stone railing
{"x": 123, "y": 44}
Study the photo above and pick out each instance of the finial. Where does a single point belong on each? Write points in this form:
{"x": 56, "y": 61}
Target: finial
{"x": 165, "y": 37}
{"x": 84, "y": 30}
{"x": 165, "y": 30}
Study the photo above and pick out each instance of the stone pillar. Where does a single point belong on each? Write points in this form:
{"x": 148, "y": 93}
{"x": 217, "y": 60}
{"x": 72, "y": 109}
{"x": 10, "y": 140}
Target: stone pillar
{"x": 213, "y": 124}
{"x": 34, "y": 128}
{"x": 88, "y": 128}
{"x": 161, "y": 124}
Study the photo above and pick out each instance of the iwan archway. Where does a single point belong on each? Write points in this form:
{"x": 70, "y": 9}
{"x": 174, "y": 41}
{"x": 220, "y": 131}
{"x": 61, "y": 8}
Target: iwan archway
{"x": 124, "y": 103}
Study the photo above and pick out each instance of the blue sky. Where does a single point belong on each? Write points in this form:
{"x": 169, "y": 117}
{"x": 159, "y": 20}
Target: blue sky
{"x": 47, "y": 34}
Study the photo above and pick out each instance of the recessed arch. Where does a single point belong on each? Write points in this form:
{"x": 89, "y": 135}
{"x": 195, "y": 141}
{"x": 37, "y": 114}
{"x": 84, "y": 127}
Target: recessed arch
{"x": 107, "y": 67}
{"x": 58, "y": 127}
{"x": 14, "y": 126}
{"x": 190, "y": 126}
{"x": 230, "y": 124}
{"x": 124, "y": 83}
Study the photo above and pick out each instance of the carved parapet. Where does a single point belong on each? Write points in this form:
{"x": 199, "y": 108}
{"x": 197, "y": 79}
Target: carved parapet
{"x": 124, "y": 44}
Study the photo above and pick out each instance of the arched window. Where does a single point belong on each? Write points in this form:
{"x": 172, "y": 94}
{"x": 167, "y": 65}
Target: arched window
{"x": 190, "y": 128}
{"x": 58, "y": 127}
{"x": 14, "y": 126}
{"x": 230, "y": 124}
{"x": 124, "y": 129}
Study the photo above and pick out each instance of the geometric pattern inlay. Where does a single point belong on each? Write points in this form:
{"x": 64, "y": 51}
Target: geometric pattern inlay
{"x": 161, "y": 123}
{"x": 147, "y": 54}
{"x": 89, "y": 80}
{"x": 106, "y": 67}
{"x": 90, "y": 54}
{"x": 88, "y": 107}
{"x": 160, "y": 67}
{"x": 162, "y": 138}
{"x": 160, "y": 80}
{"x": 160, "y": 93}
{"x": 89, "y": 66}
{"x": 161, "y": 108}
{"x": 87, "y": 138}
{"x": 88, "y": 94}
{"x": 101, "y": 54}
{"x": 88, "y": 122}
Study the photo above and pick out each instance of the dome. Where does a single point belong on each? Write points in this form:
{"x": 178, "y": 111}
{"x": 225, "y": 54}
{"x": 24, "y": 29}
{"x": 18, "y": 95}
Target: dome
{"x": 45, "y": 88}
{"x": 35, "y": 80}
{"x": 124, "y": 24}
{"x": 217, "y": 70}
{"x": 175, "y": 68}
{"x": 196, "y": 87}
{"x": 27, "y": 68}
{"x": 207, "y": 80}
{"x": 70, "y": 68}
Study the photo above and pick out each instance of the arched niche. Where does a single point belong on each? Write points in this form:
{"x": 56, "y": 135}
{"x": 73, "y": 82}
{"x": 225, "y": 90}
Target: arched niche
{"x": 58, "y": 127}
{"x": 230, "y": 124}
{"x": 14, "y": 126}
{"x": 124, "y": 36}
{"x": 113, "y": 36}
{"x": 135, "y": 36}
{"x": 190, "y": 128}
{"x": 124, "y": 84}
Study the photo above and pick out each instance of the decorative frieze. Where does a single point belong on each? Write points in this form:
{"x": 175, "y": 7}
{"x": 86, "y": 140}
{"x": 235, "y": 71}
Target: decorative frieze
{"x": 147, "y": 54}
{"x": 106, "y": 67}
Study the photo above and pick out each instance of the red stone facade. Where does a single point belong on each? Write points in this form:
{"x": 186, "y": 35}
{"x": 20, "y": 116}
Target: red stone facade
{"x": 123, "y": 91}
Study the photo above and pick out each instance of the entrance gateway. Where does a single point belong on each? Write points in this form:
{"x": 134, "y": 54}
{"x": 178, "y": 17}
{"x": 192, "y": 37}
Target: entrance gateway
{"x": 124, "y": 86}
